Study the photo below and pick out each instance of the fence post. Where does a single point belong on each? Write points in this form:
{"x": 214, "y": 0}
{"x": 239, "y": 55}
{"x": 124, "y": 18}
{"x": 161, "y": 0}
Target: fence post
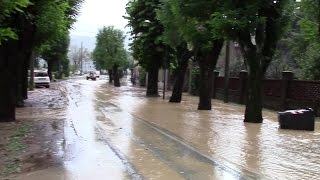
{"x": 286, "y": 77}
{"x": 243, "y": 86}
{"x": 214, "y": 87}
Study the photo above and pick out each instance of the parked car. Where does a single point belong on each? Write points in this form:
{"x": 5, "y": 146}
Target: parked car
{"x": 92, "y": 75}
{"x": 41, "y": 78}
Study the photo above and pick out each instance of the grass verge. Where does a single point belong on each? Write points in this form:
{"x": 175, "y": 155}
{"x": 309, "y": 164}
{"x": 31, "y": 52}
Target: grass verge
{"x": 14, "y": 148}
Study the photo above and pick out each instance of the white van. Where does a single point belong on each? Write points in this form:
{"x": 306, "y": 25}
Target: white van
{"x": 41, "y": 78}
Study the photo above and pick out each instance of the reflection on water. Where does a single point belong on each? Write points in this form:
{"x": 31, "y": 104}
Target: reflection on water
{"x": 86, "y": 155}
{"x": 221, "y": 134}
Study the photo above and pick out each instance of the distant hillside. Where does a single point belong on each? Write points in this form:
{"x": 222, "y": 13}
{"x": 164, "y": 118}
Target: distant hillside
{"x": 88, "y": 42}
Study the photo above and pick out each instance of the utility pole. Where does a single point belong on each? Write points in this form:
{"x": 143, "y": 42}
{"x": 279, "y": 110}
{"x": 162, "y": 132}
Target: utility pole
{"x": 190, "y": 64}
{"x": 164, "y": 83}
{"x": 226, "y": 73}
{"x": 32, "y": 59}
{"x": 81, "y": 59}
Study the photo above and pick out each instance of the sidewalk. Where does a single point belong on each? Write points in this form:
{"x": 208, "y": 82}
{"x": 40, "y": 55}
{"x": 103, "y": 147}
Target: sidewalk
{"x": 40, "y": 128}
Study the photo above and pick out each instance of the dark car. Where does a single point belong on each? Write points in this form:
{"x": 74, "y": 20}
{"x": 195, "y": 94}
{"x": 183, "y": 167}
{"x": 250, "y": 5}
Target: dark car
{"x": 92, "y": 75}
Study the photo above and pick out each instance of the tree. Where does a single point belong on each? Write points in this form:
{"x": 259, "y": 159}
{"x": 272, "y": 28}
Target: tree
{"x": 62, "y": 15}
{"x": 56, "y": 56}
{"x": 109, "y": 52}
{"x": 7, "y": 9}
{"x": 77, "y": 56}
{"x": 147, "y": 46}
{"x": 298, "y": 49}
{"x": 310, "y": 29}
{"x": 193, "y": 26}
{"x": 32, "y": 31}
{"x": 257, "y": 26}
{"x": 172, "y": 21}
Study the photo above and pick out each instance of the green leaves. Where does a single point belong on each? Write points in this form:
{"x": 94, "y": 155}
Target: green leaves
{"x": 305, "y": 44}
{"x": 9, "y": 7}
{"x": 191, "y": 21}
{"x": 148, "y": 45}
{"x": 310, "y": 63}
{"x": 310, "y": 20}
{"x": 109, "y": 50}
{"x": 51, "y": 18}
{"x": 7, "y": 33}
{"x": 51, "y": 21}
{"x": 56, "y": 53}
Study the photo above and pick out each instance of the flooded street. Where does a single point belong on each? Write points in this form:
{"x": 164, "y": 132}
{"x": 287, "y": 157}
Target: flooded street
{"x": 118, "y": 133}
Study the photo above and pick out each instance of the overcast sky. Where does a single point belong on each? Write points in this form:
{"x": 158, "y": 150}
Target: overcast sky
{"x": 98, "y": 13}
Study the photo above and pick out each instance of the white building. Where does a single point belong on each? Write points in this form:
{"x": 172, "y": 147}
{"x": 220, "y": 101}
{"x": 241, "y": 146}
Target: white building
{"x": 88, "y": 66}
{"x": 42, "y": 63}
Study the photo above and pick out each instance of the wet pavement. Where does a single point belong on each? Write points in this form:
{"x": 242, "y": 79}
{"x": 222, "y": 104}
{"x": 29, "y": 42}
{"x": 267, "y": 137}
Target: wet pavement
{"x": 118, "y": 133}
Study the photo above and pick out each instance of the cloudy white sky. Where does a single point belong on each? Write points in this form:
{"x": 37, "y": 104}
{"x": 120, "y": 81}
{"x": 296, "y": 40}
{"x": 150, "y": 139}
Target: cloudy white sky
{"x": 98, "y": 13}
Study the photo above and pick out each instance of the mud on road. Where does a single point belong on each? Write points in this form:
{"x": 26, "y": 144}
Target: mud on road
{"x": 30, "y": 143}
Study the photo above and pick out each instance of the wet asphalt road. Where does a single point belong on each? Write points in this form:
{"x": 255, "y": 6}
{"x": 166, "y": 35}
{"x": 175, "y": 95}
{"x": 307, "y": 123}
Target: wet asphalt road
{"x": 118, "y": 133}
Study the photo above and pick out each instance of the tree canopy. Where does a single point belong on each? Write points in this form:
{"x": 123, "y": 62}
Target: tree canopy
{"x": 26, "y": 27}
{"x": 56, "y": 56}
{"x": 193, "y": 31}
{"x": 109, "y": 50}
{"x": 309, "y": 18}
{"x": 109, "y": 53}
{"x": 147, "y": 47}
{"x": 8, "y": 8}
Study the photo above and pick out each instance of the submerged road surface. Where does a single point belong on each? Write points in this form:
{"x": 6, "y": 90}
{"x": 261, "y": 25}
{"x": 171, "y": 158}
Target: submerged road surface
{"x": 118, "y": 133}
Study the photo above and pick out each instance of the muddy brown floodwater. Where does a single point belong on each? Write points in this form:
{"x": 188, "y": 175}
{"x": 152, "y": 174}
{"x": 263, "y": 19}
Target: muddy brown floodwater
{"x": 118, "y": 133}
{"x": 219, "y": 135}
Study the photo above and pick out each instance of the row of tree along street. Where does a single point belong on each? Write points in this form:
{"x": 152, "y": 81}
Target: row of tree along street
{"x": 29, "y": 29}
{"x": 168, "y": 33}
{"x": 165, "y": 34}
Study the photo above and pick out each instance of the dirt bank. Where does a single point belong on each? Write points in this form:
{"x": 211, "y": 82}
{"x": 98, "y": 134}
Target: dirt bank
{"x": 34, "y": 141}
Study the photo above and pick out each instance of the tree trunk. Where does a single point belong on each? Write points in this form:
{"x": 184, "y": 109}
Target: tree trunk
{"x": 206, "y": 75}
{"x": 253, "y": 112}
{"x": 110, "y": 76}
{"x": 32, "y": 60}
{"x": 207, "y": 64}
{"x": 26, "y": 45}
{"x": 152, "y": 88}
{"x": 179, "y": 82}
{"x": 13, "y": 58}
{"x": 22, "y": 59}
{"x": 116, "y": 76}
{"x": 8, "y": 59}
{"x": 7, "y": 96}
{"x": 50, "y": 66}
{"x": 19, "y": 82}
{"x": 25, "y": 83}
